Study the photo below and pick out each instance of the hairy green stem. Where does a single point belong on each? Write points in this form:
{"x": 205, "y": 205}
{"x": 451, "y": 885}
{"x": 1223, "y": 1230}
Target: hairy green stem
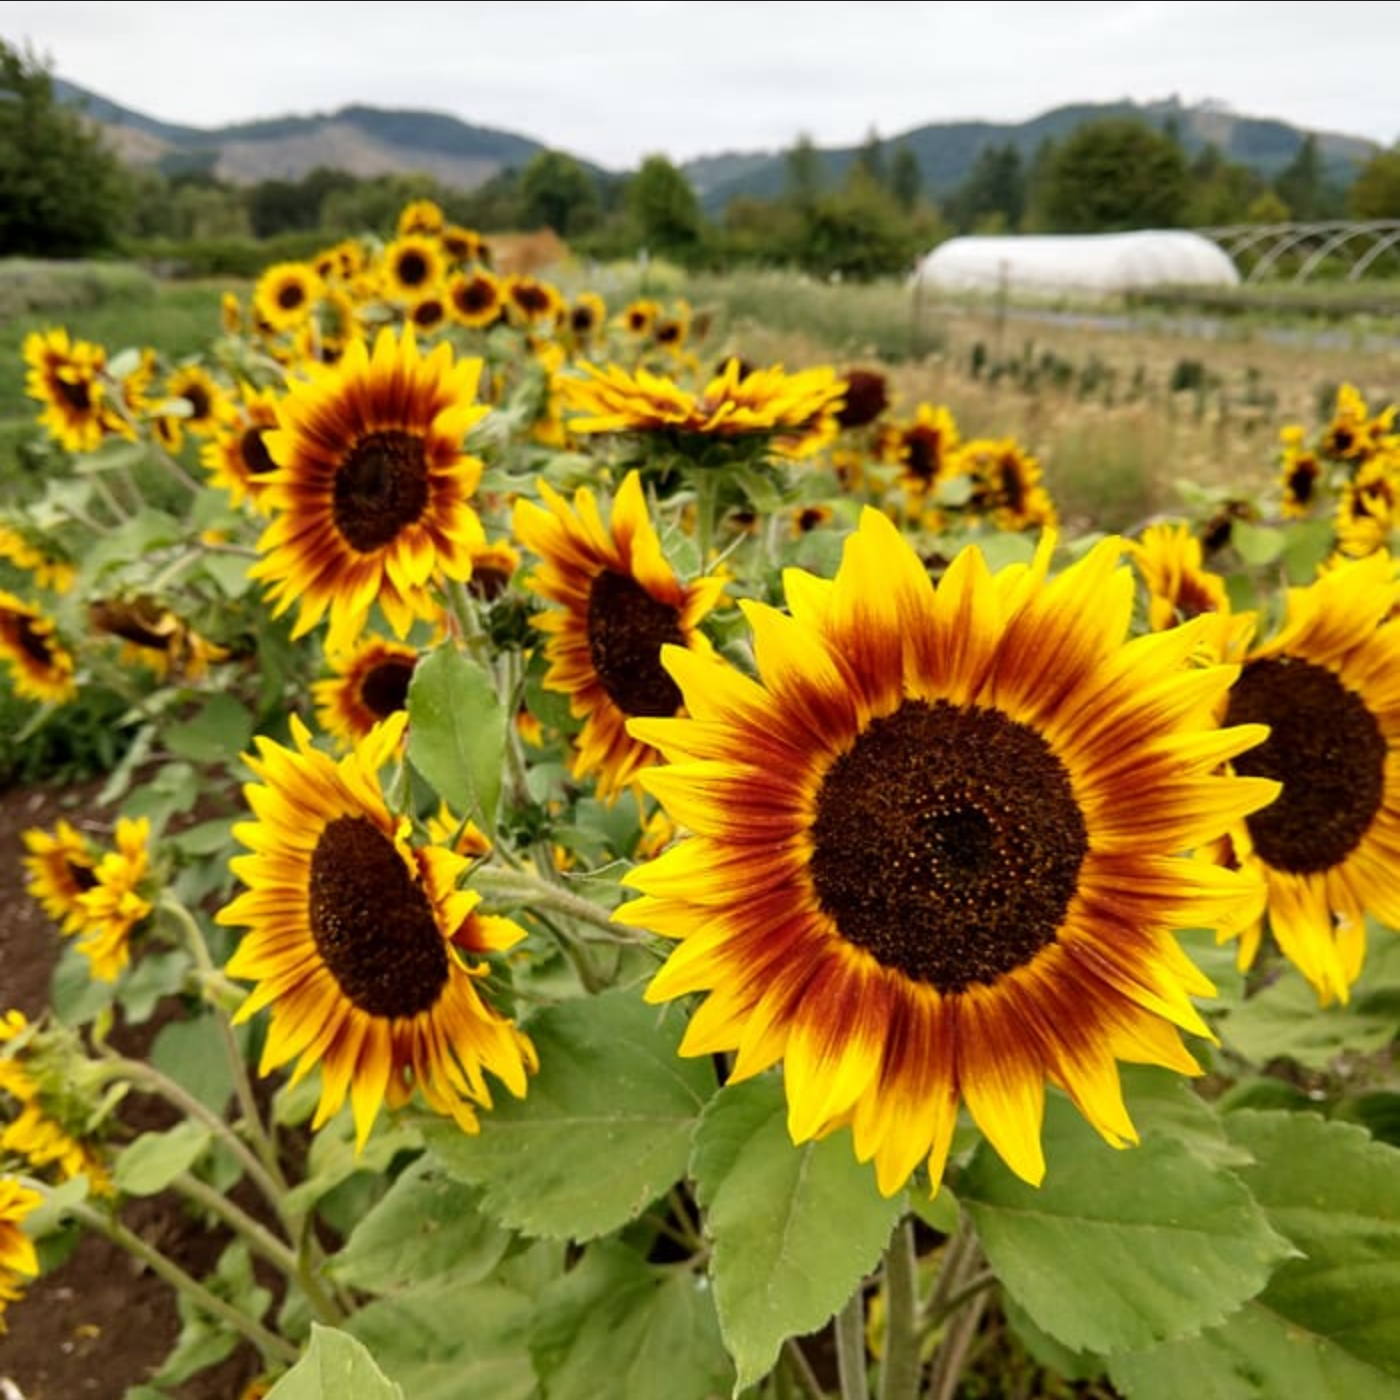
{"x": 957, "y": 1304}
{"x": 901, "y": 1368}
{"x": 850, "y": 1348}
{"x": 271, "y": 1346}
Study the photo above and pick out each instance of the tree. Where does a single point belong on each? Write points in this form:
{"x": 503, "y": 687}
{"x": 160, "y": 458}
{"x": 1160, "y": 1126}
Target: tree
{"x": 63, "y": 194}
{"x": 1115, "y": 174}
{"x": 1301, "y": 185}
{"x": 1375, "y": 193}
{"x": 557, "y": 192}
{"x": 906, "y": 179}
{"x": 804, "y": 173}
{"x": 994, "y": 191}
{"x": 870, "y": 159}
{"x": 1221, "y": 191}
{"x": 859, "y": 232}
{"x": 664, "y": 210}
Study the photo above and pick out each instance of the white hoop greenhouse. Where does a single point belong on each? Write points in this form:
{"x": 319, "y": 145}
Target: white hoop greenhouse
{"x": 1102, "y": 263}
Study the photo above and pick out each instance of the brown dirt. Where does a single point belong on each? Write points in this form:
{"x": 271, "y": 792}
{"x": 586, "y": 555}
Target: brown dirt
{"x": 99, "y": 1323}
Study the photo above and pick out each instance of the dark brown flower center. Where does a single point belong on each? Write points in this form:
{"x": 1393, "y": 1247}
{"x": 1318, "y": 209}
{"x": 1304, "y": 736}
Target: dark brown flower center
{"x": 1327, "y": 750}
{"x": 865, "y": 399}
{"x": 33, "y": 641}
{"x": 256, "y": 458}
{"x": 626, "y": 630}
{"x": 75, "y": 393}
{"x": 475, "y": 297}
{"x": 924, "y": 454}
{"x": 412, "y": 269}
{"x": 291, "y": 295}
{"x": 80, "y": 876}
{"x": 384, "y": 689}
{"x": 197, "y": 396}
{"x": 381, "y": 487}
{"x": 947, "y": 843}
{"x": 373, "y": 925}
{"x": 428, "y": 314}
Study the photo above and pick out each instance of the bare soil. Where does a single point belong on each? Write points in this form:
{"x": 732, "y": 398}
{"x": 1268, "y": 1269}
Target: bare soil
{"x": 100, "y": 1323}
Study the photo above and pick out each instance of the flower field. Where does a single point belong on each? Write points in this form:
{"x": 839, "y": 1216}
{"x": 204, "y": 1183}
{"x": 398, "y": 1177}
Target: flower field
{"x": 682, "y": 872}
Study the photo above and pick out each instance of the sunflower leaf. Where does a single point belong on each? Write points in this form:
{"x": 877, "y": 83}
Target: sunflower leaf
{"x": 334, "y": 1365}
{"x": 425, "y": 1225}
{"x": 457, "y": 734}
{"x": 649, "y": 1330}
{"x": 1120, "y": 1250}
{"x": 604, "y": 1129}
{"x": 1328, "y": 1322}
{"x": 795, "y": 1229}
{"x": 154, "y": 1160}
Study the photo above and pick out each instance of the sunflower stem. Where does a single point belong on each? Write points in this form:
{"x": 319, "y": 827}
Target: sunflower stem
{"x": 706, "y": 482}
{"x": 259, "y": 1137}
{"x": 521, "y": 887}
{"x": 259, "y": 1238}
{"x": 850, "y": 1348}
{"x": 271, "y": 1346}
{"x": 956, "y": 1304}
{"x": 793, "y": 1363}
{"x": 901, "y": 1368}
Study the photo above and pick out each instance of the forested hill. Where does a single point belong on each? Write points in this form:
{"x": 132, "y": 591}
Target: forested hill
{"x": 369, "y": 141}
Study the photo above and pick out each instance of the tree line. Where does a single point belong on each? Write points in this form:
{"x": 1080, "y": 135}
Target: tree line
{"x": 63, "y": 194}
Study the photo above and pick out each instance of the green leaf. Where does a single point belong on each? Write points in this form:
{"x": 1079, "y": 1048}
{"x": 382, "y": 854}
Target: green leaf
{"x": 605, "y": 1128}
{"x": 1257, "y": 544}
{"x": 795, "y": 1229}
{"x": 1328, "y": 1322}
{"x": 1119, "y": 1250}
{"x": 638, "y": 1331}
{"x": 426, "y": 1224}
{"x": 217, "y": 734}
{"x": 154, "y": 1160}
{"x": 192, "y": 1053}
{"x": 334, "y": 1367}
{"x": 441, "y": 1341}
{"x": 457, "y": 733}
{"x": 1285, "y": 1020}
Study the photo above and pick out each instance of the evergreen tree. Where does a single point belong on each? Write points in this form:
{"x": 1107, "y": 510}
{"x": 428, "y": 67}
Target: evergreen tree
{"x": 557, "y": 192}
{"x": 1115, "y": 174}
{"x": 62, "y": 193}
{"x": 906, "y": 179}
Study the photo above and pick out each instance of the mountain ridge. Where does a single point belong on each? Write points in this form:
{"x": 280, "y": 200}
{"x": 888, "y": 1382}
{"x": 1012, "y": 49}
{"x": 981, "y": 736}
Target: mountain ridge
{"x": 368, "y": 141}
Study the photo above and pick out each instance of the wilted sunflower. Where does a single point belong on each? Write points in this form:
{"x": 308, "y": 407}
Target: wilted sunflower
{"x": 41, "y": 667}
{"x": 60, "y": 869}
{"x": 365, "y": 945}
{"x": 69, "y": 379}
{"x": 1328, "y": 685}
{"x": 620, "y": 603}
{"x": 155, "y": 637}
{"x": 117, "y": 901}
{"x": 370, "y": 684}
{"x": 371, "y": 503}
{"x": 934, "y": 849}
{"x": 285, "y": 293}
{"x": 19, "y": 1260}
{"x": 738, "y": 402}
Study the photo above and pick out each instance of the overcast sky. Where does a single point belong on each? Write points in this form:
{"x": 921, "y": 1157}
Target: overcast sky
{"x": 616, "y": 82}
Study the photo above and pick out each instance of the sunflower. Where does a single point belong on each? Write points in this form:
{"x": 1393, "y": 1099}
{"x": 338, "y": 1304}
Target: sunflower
{"x": 1328, "y": 685}
{"x": 494, "y": 564}
{"x": 474, "y": 299}
{"x": 1171, "y": 563}
{"x": 531, "y": 302}
{"x": 638, "y": 317}
{"x": 117, "y": 901}
{"x": 285, "y": 293}
{"x": 1007, "y": 484}
{"x": 463, "y": 246}
{"x": 1300, "y": 477}
{"x": 370, "y": 684}
{"x": 364, "y": 944}
{"x": 41, "y": 667}
{"x": 587, "y": 316}
{"x": 69, "y": 379}
{"x": 39, "y": 556}
{"x": 209, "y": 402}
{"x": 922, "y": 449}
{"x": 19, "y": 1260}
{"x": 372, "y": 501}
{"x": 1368, "y": 507}
{"x": 933, "y": 849}
{"x": 427, "y": 313}
{"x": 1355, "y": 435}
{"x": 620, "y": 602}
{"x": 155, "y": 637}
{"x": 412, "y": 265}
{"x": 738, "y": 402}
{"x": 237, "y": 458}
{"x": 421, "y": 216}
{"x": 867, "y": 397}
{"x": 60, "y": 865}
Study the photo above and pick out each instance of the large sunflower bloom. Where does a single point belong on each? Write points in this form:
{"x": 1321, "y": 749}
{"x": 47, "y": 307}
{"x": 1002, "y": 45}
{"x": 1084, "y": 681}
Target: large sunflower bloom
{"x": 934, "y": 850}
{"x": 363, "y": 944}
{"x": 372, "y": 500}
{"x": 41, "y": 667}
{"x": 19, "y": 1260}
{"x": 1328, "y": 685}
{"x": 620, "y": 603}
